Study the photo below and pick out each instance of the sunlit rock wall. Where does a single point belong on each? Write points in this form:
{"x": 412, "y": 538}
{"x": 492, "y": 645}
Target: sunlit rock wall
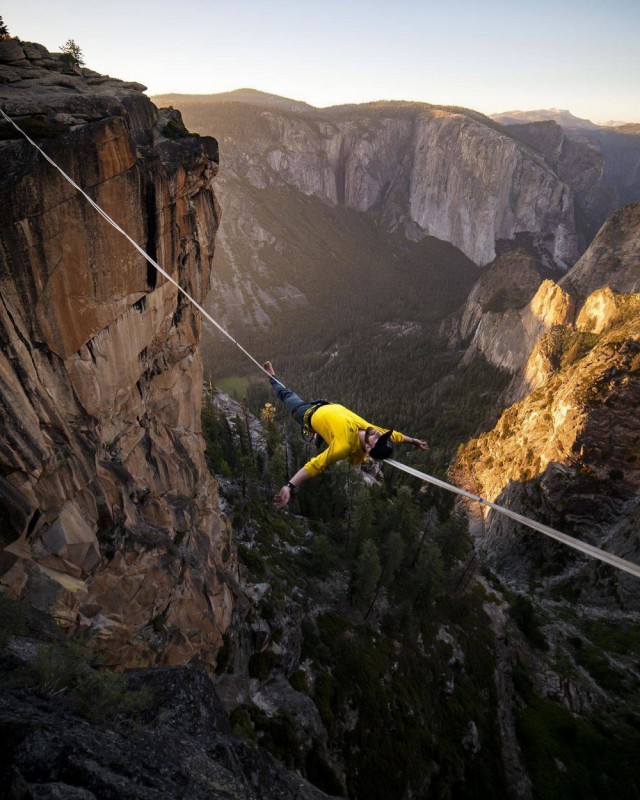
{"x": 108, "y": 516}
{"x": 568, "y": 451}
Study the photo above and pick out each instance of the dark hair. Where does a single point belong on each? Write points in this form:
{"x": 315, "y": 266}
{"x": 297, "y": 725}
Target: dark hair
{"x": 368, "y": 432}
{"x": 383, "y": 448}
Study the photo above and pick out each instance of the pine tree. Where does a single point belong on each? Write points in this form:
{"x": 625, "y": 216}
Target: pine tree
{"x": 393, "y": 555}
{"x": 362, "y": 521}
{"x": 429, "y": 524}
{"x": 393, "y": 552}
{"x": 221, "y": 453}
{"x": 276, "y": 471}
{"x": 366, "y": 575}
{"x": 4, "y": 31}
{"x": 72, "y": 53}
{"x": 323, "y": 558}
{"x": 454, "y": 541}
{"x": 427, "y": 579}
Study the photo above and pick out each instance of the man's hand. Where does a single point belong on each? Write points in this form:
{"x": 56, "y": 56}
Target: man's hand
{"x": 283, "y": 497}
{"x": 421, "y": 444}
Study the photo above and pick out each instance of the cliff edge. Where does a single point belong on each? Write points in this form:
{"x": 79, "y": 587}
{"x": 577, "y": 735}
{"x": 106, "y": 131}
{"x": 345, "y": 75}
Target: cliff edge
{"x": 109, "y": 519}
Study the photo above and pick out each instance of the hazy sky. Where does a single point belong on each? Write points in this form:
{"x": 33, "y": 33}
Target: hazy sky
{"x": 495, "y": 55}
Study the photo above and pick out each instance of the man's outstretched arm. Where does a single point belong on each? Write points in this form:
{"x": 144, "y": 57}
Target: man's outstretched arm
{"x": 284, "y": 495}
{"x": 396, "y": 437}
{"x": 421, "y": 443}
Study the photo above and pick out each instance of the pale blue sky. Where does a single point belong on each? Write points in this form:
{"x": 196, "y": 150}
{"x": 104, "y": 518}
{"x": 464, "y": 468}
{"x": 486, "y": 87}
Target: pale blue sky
{"x": 493, "y": 55}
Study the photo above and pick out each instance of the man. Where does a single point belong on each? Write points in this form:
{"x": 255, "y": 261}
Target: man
{"x": 347, "y": 435}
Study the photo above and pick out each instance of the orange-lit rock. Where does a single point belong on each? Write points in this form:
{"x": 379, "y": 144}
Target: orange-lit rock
{"x": 568, "y": 452}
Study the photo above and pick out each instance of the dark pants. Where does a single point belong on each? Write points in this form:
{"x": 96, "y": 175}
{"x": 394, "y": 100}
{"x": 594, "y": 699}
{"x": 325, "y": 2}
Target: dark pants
{"x": 295, "y": 405}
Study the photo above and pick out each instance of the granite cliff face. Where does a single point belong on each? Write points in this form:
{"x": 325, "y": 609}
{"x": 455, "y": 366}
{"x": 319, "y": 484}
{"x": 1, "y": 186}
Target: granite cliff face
{"x": 568, "y": 454}
{"x": 568, "y": 450}
{"x": 579, "y": 165}
{"x": 508, "y": 337}
{"x": 109, "y": 518}
{"x": 512, "y": 306}
{"x": 422, "y": 170}
{"x": 612, "y": 259}
{"x": 620, "y": 148}
{"x": 507, "y": 311}
{"x": 580, "y": 151}
{"x": 413, "y": 171}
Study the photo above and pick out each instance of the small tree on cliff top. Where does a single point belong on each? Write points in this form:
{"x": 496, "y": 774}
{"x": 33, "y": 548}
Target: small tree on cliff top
{"x": 4, "y": 31}
{"x": 72, "y": 53}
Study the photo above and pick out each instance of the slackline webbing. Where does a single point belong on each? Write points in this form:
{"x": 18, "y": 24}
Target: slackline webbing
{"x": 138, "y": 248}
{"x": 607, "y": 558}
{"x": 596, "y": 552}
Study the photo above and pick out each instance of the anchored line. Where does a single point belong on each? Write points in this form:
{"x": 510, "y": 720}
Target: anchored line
{"x": 142, "y": 252}
{"x": 596, "y": 552}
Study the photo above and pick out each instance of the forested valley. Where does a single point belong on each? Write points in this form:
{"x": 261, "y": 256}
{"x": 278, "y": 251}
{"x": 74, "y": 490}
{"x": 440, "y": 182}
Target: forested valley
{"x": 368, "y": 598}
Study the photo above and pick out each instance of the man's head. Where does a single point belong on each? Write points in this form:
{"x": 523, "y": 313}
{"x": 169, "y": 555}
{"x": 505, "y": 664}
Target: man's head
{"x": 377, "y": 444}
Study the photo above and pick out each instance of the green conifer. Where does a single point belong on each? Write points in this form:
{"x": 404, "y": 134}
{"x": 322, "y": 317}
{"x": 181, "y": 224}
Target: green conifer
{"x": 72, "y": 53}
{"x": 366, "y": 575}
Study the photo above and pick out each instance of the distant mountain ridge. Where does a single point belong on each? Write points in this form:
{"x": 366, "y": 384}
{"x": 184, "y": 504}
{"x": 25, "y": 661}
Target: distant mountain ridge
{"x": 401, "y": 194}
{"x": 564, "y": 118}
{"x": 560, "y": 115}
{"x": 326, "y": 210}
{"x": 250, "y": 96}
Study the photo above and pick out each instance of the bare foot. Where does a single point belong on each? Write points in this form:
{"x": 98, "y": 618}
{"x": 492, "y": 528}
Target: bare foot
{"x": 268, "y": 367}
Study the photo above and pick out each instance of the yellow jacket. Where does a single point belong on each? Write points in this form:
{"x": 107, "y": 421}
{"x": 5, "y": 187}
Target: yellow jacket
{"x": 339, "y": 427}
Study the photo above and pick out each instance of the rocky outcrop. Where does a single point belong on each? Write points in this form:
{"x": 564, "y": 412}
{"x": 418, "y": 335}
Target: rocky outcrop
{"x": 612, "y": 258}
{"x": 567, "y": 452}
{"x": 508, "y": 284}
{"x": 599, "y": 311}
{"x": 595, "y": 284}
{"x": 181, "y": 746}
{"x": 507, "y": 312}
{"x": 506, "y": 338}
{"x": 109, "y": 518}
{"x": 423, "y": 170}
{"x": 519, "y": 336}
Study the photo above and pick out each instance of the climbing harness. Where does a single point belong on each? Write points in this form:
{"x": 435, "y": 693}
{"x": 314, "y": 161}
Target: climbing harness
{"x": 307, "y": 431}
{"x": 595, "y": 552}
